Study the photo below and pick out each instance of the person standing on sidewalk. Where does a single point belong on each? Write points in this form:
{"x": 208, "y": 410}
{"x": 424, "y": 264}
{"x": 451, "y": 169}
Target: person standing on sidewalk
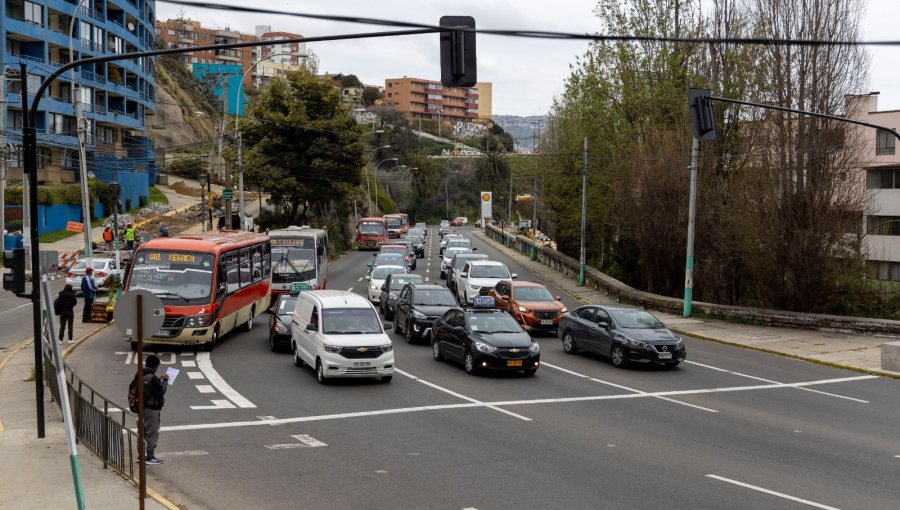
{"x": 88, "y": 291}
{"x": 130, "y": 236}
{"x": 154, "y": 399}
{"x": 67, "y": 302}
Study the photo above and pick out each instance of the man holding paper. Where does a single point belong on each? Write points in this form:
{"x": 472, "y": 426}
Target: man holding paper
{"x": 154, "y": 399}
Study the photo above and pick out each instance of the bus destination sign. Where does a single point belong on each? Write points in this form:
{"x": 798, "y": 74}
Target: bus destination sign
{"x": 295, "y": 242}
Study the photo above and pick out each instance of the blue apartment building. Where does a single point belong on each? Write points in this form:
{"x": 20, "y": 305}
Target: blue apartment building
{"x": 116, "y": 96}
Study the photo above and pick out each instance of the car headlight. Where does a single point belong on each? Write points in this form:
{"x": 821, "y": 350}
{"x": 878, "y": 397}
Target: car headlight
{"x": 523, "y": 309}
{"x": 373, "y": 286}
{"x": 280, "y": 328}
{"x": 387, "y": 347}
{"x": 638, "y": 343}
{"x": 474, "y": 287}
{"x": 564, "y": 310}
{"x": 679, "y": 340}
{"x": 485, "y": 348}
{"x": 419, "y": 315}
{"x": 535, "y": 348}
{"x": 332, "y": 348}
{"x": 198, "y": 320}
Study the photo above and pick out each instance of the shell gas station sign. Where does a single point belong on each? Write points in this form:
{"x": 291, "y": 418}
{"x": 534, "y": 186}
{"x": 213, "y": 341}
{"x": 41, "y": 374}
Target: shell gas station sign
{"x": 486, "y": 206}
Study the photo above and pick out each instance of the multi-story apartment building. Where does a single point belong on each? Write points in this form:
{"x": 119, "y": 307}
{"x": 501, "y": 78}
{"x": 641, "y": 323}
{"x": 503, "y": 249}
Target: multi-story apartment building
{"x": 115, "y": 95}
{"x": 278, "y": 59}
{"x": 881, "y": 226}
{"x": 186, "y": 33}
{"x": 427, "y": 99}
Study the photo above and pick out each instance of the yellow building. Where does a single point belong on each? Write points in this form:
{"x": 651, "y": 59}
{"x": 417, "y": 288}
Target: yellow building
{"x": 485, "y": 91}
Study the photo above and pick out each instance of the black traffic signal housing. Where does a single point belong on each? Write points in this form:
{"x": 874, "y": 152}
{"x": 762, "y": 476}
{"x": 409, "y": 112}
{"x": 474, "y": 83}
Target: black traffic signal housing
{"x": 14, "y": 280}
{"x": 702, "y": 118}
{"x": 458, "y": 66}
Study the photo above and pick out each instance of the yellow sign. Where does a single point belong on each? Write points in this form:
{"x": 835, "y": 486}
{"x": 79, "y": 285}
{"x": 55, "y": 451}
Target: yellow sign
{"x": 182, "y": 257}
{"x": 485, "y": 196}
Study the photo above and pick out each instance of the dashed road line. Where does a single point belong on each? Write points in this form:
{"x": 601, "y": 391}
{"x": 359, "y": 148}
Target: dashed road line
{"x": 185, "y": 453}
{"x": 771, "y": 492}
{"x": 188, "y": 363}
{"x": 205, "y": 388}
{"x": 626, "y": 388}
{"x": 195, "y": 375}
{"x": 216, "y": 404}
{"x": 360, "y": 279}
{"x": 350, "y": 289}
{"x": 205, "y": 365}
{"x": 304, "y": 441}
{"x": 459, "y": 395}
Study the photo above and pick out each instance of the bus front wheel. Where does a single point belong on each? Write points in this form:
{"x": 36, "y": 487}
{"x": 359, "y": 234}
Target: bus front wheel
{"x": 213, "y": 340}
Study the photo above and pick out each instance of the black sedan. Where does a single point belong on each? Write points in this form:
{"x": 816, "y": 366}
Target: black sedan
{"x": 484, "y": 339}
{"x": 418, "y": 244}
{"x": 418, "y": 307}
{"x": 280, "y": 322}
{"x": 390, "y": 291}
{"x": 623, "y": 333}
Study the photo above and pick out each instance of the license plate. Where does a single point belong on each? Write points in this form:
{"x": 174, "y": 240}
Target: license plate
{"x": 546, "y": 322}
{"x": 357, "y": 364}
{"x": 514, "y": 363}
{"x": 665, "y": 355}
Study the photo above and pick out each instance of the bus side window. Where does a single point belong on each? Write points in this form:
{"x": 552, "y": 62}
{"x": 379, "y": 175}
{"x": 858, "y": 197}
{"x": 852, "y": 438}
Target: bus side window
{"x": 322, "y": 252}
{"x": 233, "y": 278}
{"x": 220, "y": 280}
{"x": 245, "y": 268}
{"x": 256, "y": 253}
{"x": 267, "y": 260}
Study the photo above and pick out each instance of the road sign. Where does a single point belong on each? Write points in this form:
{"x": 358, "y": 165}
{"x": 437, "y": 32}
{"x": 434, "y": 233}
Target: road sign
{"x": 227, "y": 193}
{"x": 74, "y": 226}
{"x": 153, "y": 313}
{"x": 298, "y": 287}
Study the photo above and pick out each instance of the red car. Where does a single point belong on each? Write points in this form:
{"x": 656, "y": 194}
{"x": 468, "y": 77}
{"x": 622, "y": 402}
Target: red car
{"x": 456, "y": 223}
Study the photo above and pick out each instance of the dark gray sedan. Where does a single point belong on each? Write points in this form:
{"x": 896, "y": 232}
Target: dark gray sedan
{"x": 623, "y": 333}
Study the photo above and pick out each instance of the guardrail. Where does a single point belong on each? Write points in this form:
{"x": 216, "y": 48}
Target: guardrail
{"x": 622, "y": 293}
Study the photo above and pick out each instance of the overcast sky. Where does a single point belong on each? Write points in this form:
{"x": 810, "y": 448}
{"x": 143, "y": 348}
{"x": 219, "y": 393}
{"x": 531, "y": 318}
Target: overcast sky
{"x": 526, "y": 73}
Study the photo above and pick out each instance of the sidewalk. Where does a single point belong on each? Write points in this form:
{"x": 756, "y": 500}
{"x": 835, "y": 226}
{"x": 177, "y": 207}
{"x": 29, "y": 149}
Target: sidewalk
{"x": 35, "y": 473}
{"x": 855, "y": 352}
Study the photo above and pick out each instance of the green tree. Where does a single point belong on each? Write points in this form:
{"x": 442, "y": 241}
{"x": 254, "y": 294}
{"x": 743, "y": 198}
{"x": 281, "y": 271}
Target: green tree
{"x": 370, "y": 95}
{"x": 303, "y": 146}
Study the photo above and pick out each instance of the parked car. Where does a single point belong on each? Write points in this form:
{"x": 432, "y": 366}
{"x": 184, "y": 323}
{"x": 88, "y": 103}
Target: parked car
{"x": 103, "y": 267}
{"x": 531, "y": 304}
{"x": 624, "y": 333}
{"x": 391, "y": 290}
{"x": 457, "y": 263}
{"x": 484, "y": 338}
{"x": 377, "y": 278}
{"x": 340, "y": 335}
{"x": 478, "y": 277}
{"x": 418, "y": 307}
{"x": 280, "y": 322}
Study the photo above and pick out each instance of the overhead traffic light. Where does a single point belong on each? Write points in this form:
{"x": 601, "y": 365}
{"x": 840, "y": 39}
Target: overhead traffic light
{"x": 702, "y": 119}
{"x": 14, "y": 280}
{"x": 458, "y": 67}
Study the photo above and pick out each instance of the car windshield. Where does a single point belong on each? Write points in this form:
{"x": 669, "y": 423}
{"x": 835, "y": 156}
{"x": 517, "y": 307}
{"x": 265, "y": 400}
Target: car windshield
{"x": 450, "y": 252}
{"x": 415, "y": 239}
{"x": 388, "y": 259}
{"x": 493, "y": 322}
{"x": 176, "y": 277}
{"x": 286, "y": 305}
{"x": 459, "y": 262}
{"x": 394, "y": 249}
{"x": 637, "y": 319}
{"x": 459, "y": 243}
{"x": 533, "y": 294}
{"x": 442, "y": 297}
{"x": 382, "y": 272}
{"x": 489, "y": 272}
{"x": 350, "y": 321}
{"x": 397, "y": 283}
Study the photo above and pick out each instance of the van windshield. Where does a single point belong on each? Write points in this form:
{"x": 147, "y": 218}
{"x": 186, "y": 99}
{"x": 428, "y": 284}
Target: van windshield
{"x": 350, "y": 321}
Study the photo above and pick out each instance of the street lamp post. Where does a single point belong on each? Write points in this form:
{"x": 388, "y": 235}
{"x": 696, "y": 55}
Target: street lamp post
{"x": 115, "y": 188}
{"x": 375, "y": 174}
{"x": 82, "y": 155}
{"x": 368, "y": 190}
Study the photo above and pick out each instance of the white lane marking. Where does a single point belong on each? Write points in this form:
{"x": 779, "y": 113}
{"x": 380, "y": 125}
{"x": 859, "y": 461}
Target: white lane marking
{"x": 216, "y": 404}
{"x": 360, "y": 279}
{"x": 205, "y": 365}
{"x": 626, "y": 388}
{"x": 187, "y": 353}
{"x": 773, "y": 493}
{"x": 771, "y": 381}
{"x": 305, "y": 441}
{"x": 467, "y": 405}
{"x": 185, "y": 453}
{"x": 205, "y": 388}
{"x": 194, "y": 375}
{"x": 458, "y": 395}
{"x": 350, "y": 289}
{"x": 188, "y": 363}
{"x": 16, "y": 308}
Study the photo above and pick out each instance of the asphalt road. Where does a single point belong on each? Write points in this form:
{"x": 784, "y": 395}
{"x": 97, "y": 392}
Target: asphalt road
{"x": 729, "y": 429}
{"x": 15, "y": 315}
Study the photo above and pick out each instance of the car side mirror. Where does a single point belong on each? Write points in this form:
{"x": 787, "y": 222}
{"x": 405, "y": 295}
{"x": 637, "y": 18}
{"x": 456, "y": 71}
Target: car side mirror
{"x": 384, "y": 287}
{"x": 474, "y": 249}
{"x": 312, "y": 326}
{"x": 558, "y": 298}
{"x": 387, "y": 325}
{"x": 375, "y": 254}
{"x": 463, "y": 275}
{"x": 367, "y": 277}
{"x": 458, "y": 330}
{"x": 514, "y": 275}
{"x": 603, "y": 324}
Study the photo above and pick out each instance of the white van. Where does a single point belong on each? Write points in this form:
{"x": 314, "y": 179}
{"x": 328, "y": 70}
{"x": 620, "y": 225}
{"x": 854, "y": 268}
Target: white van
{"x": 340, "y": 334}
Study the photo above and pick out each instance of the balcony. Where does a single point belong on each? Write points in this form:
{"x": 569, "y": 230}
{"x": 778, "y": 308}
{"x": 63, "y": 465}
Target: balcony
{"x": 93, "y": 14}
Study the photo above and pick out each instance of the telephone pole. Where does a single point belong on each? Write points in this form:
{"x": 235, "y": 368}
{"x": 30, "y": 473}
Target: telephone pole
{"x": 582, "y": 258}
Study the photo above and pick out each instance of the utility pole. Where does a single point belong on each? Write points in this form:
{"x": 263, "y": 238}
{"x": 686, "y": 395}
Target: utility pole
{"x": 227, "y": 193}
{"x": 692, "y": 212}
{"x": 85, "y": 196}
{"x": 240, "y": 161}
{"x": 509, "y": 207}
{"x": 534, "y": 221}
{"x": 5, "y": 149}
{"x": 583, "y": 258}
{"x": 203, "y": 203}
{"x": 447, "y": 195}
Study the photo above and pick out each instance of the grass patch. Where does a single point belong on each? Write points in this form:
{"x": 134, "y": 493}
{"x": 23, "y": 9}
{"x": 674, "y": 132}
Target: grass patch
{"x": 56, "y": 235}
{"x": 156, "y": 195}
{"x": 31, "y": 377}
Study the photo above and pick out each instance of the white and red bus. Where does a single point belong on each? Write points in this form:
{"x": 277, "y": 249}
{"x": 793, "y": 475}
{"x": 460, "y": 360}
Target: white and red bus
{"x": 371, "y": 233}
{"x": 299, "y": 254}
{"x": 397, "y": 224}
{"x": 210, "y": 283}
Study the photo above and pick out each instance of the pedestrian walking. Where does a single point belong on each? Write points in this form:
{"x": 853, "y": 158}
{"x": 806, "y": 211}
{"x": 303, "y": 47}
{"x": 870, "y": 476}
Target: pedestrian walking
{"x": 163, "y": 230}
{"x": 108, "y": 238}
{"x": 154, "y": 399}
{"x": 66, "y": 301}
{"x": 130, "y": 236}
{"x": 88, "y": 291}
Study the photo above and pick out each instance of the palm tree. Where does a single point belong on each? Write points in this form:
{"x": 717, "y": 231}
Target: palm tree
{"x": 425, "y": 176}
{"x": 493, "y": 167}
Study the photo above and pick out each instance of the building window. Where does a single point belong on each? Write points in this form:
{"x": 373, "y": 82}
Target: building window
{"x": 33, "y": 13}
{"x": 883, "y": 225}
{"x": 883, "y": 179}
{"x": 885, "y": 270}
{"x": 885, "y": 143}
{"x": 171, "y": 32}
{"x": 106, "y": 135}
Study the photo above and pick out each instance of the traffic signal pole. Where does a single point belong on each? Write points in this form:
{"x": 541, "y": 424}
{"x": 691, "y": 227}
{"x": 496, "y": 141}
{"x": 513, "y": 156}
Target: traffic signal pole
{"x": 692, "y": 213}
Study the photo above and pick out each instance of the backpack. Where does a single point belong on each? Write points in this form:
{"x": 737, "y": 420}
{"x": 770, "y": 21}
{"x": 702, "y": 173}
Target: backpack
{"x": 133, "y": 396}
{"x": 56, "y": 306}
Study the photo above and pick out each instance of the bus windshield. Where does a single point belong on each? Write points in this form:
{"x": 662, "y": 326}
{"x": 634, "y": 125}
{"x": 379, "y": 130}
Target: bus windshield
{"x": 175, "y": 277}
{"x": 371, "y": 228}
{"x": 290, "y": 263}
{"x": 394, "y": 223}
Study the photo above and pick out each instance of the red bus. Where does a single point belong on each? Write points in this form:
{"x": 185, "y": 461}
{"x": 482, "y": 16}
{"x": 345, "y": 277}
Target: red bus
{"x": 397, "y": 224}
{"x": 210, "y": 283}
{"x": 371, "y": 233}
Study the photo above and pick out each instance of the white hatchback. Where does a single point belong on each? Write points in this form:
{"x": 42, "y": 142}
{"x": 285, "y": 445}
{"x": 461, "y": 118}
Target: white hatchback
{"x": 339, "y": 333}
{"x": 102, "y": 269}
